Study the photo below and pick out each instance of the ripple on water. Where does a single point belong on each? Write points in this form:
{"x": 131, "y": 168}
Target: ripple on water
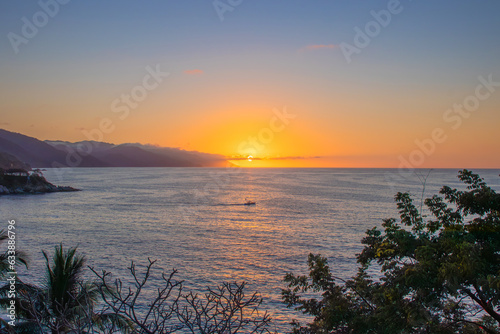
{"x": 130, "y": 214}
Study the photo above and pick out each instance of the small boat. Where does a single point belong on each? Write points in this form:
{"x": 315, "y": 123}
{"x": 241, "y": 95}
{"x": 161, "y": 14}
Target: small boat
{"x": 249, "y": 202}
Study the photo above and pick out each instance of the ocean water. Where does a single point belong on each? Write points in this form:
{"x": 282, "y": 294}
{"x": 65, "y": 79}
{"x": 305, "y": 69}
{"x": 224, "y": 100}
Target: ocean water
{"x": 191, "y": 219}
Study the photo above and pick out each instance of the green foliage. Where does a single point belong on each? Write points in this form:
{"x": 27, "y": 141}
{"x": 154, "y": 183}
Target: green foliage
{"x": 441, "y": 275}
{"x": 64, "y": 303}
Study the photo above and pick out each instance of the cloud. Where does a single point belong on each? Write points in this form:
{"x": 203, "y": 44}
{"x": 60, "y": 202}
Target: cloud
{"x": 193, "y": 72}
{"x": 295, "y": 158}
{"x": 318, "y": 47}
{"x": 5, "y": 123}
{"x": 235, "y": 158}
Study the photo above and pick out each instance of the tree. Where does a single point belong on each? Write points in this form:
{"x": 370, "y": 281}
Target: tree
{"x": 64, "y": 303}
{"x": 225, "y": 309}
{"x": 152, "y": 315}
{"x": 167, "y": 309}
{"x": 437, "y": 275}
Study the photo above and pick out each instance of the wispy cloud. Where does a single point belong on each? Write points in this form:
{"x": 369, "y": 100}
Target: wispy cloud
{"x": 193, "y": 72}
{"x": 318, "y": 47}
{"x": 295, "y": 158}
{"x": 4, "y": 123}
{"x": 273, "y": 158}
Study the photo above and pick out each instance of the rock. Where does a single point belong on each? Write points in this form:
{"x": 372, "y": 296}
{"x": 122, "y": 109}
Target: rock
{"x": 4, "y": 190}
{"x": 35, "y": 183}
{"x": 66, "y": 189}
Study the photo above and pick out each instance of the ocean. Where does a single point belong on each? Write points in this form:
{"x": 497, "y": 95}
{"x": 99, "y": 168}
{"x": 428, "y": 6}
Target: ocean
{"x": 193, "y": 220}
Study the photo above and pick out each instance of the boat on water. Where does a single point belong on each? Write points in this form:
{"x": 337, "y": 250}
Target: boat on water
{"x": 249, "y": 202}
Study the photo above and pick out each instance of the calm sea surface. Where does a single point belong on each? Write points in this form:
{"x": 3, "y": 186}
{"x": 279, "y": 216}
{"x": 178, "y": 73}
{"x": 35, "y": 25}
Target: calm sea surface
{"x": 187, "y": 219}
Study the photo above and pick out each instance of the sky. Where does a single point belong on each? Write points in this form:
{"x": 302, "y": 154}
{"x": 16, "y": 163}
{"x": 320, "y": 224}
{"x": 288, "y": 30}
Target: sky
{"x": 267, "y": 83}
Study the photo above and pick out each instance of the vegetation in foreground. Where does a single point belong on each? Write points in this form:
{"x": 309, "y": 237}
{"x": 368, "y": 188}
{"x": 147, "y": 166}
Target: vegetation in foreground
{"x": 67, "y": 303}
{"x": 439, "y": 274}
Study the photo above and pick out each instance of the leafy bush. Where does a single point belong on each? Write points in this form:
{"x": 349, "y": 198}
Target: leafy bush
{"x": 441, "y": 275}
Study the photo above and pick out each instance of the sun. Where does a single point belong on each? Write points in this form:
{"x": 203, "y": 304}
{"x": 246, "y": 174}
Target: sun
{"x": 250, "y": 158}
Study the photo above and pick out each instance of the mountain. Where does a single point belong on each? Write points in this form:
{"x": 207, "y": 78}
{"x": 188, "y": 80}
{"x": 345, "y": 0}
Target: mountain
{"x": 133, "y": 156}
{"x": 8, "y": 161}
{"x": 139, "y": 155}
{"x": 81, "y": 146}
{"x": 197, "y": 158}
{"x": 40, "y": 154}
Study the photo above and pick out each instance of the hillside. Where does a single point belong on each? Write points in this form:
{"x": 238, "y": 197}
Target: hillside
{"x": 46, "y": 154}
{"x": 8, "y": 161}
{"x": 38, "y": 153}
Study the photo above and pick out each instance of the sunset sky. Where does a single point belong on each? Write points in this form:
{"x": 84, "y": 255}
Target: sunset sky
{"x": 292, "y": 83}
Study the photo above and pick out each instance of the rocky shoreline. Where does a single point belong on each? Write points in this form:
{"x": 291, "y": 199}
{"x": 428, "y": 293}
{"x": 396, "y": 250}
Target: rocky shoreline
{"x": 24, "y": 182}
{"x": 37, "y": 190}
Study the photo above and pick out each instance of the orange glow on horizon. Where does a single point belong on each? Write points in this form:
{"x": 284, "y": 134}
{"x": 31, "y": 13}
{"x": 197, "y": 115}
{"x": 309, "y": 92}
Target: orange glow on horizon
{"x": 354, "y": 132}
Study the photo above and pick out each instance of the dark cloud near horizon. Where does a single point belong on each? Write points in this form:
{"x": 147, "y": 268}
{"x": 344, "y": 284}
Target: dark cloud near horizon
{"x": 276, "y": 158}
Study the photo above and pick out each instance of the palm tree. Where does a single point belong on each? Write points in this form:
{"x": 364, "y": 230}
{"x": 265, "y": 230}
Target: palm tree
{"x": 65, "y": 302}
{"x": 68, "y": 297}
